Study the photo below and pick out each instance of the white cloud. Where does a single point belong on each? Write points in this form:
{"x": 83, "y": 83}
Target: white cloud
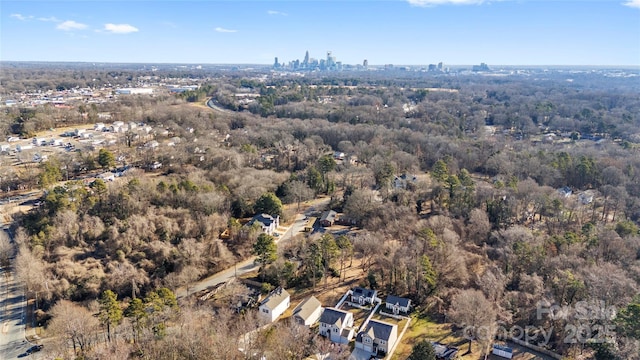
{"x": 275, "y": 12}
{"x": 426, "y": 3}
{"x": 632, "y": 3}
{"x": 120, "y": 28}
{"x": 49, "y": 19}
{"x": 223, "y": 30}
{"x": 70, "y": 25}
{"x": 21, "y": 17}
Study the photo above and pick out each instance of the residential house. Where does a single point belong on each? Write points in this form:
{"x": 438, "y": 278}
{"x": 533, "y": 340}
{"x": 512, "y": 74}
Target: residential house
{"x": 21, "y": 148}
{"x": 115, "y": 129}
{"x": 267, "y": 223}
{"x": 117, "y": 126}
{"x": 106, "y": 176}
{"x": 398, "y": 304}
{"x": 377, "y": 337}
{"x": 565, "y": 191}
{"x": 363, "y": 296}
{"x": 275, "y": 304}
{"x": 336, "y": 325}
{"x": 308, "y": 311}
{"x": 328, "y": 218}
{"x": 39, "y": 158}
{"x": 585, "y": 198}
{"x": 39, "y": 141}
{"x": 55, "y": 142}
{"x": 401, "y": 182}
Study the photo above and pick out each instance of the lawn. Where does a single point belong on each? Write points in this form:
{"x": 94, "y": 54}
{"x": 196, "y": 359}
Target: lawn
{"x": 359, "y": 315}
{"x": 400, "y": 323}
{"x": 422, "y": 328}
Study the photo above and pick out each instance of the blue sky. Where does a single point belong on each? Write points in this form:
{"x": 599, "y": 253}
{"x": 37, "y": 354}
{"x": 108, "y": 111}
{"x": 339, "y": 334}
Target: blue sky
{"x": 456, "y": 32}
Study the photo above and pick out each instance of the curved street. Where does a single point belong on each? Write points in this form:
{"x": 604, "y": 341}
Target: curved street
{"x": 242, "y": 267}
{"x": 248, "y": 265}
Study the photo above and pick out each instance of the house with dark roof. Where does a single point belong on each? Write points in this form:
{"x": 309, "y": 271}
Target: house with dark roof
{"x": 363, "y": 296}
{"x": 401, "y": 182}
{"x": 275, "y": 304}
{"x": 328, "y": 218}
{"x": 308, "y": 311}
{"x": 336, "y": 325}
{"x": 565, "y": 191}
{"x": 267, "y": 223}
{"x": 398, "y": 304}
{"x": 502, "y": 351}
{"x": 378, "y": 337}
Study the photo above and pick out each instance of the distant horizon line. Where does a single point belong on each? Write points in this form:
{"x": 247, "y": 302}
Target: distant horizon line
{"x": 271, "y": 65}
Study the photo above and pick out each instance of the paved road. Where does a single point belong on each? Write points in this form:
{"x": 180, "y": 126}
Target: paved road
{"x": 243, "y": 267}
{"x": 12, "y": 318}
{"x": 214, "y": 105}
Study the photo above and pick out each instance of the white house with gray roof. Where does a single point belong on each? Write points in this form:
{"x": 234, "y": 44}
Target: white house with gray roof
{"x": 377, "y": 337}
{"x": 308, "y": 311}
{"x": 364, "y": 296}
{"x": 336, "y": 325}
{"x": 398, "y": 304}
{"x": 275, "y": 304}
{"x": 267, "y": 223}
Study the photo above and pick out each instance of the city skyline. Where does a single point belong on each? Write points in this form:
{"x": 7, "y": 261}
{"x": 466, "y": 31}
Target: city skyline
{"x": 414, "y": 32}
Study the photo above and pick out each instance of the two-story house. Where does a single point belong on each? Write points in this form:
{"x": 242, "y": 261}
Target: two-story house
{"x": 398, "y": 304}
{"x": 275, "y": 304}
{"x": 336, "y": 325}
{"x": 363, "y": 296}
{"x": 377, "y": 337}
{"x": 267, "y": 223}
{"x": 308, "y": 311}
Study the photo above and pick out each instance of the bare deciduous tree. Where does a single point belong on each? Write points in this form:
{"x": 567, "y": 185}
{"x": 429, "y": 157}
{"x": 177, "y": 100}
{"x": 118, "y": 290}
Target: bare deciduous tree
{"x": 6, "y": 250}
{"x": 471, "y": 310}
{"x": 73, "y": 325}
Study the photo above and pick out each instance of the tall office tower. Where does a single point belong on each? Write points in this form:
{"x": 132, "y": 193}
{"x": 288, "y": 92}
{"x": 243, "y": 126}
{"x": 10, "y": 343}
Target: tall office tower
{"x": 305, "y": 62}
{"x": 440, "y": 66}
{"x": 331, "y": 60}
{"x": 365, "y": 63}
{"x": 275, "y": 63}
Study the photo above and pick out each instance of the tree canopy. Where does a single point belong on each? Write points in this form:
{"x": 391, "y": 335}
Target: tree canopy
{"x": 269, "y": 204}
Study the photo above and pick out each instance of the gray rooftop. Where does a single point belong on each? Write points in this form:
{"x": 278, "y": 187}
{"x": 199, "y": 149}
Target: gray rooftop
{"x": 274, "y": 299}
{"x": 368, "y": 293}
{"x": 378, "y": 330}
{"x": 333, "y": 316}
{"x": 396, "y": 300}
{"x": 329, "y": 215}
{"x": 307, "y": 307}
{"x": 264, "y": 219}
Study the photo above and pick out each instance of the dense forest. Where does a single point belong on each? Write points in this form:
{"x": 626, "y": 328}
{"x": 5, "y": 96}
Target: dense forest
{"x": 484, "y": 220}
